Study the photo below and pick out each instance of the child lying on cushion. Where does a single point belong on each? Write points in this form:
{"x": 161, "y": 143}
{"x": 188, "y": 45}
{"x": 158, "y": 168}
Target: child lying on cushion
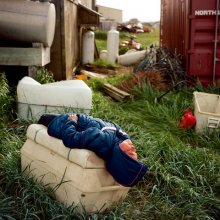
{"x": 104, "y": 138}
{"x": 126, "y": 145}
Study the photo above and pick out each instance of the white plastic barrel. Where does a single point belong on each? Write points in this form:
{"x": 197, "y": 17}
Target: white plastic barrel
{"x": 88, "y": 47}
{"x": 27, "y": 21}
{"x": 112, "y": 45}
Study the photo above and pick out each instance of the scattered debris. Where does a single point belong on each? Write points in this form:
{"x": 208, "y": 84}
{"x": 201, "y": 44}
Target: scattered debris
{"x": 164, "y": 61}
{"x": 116, "y": 93}
{"x": 81, "y": 77}
{"x": 153, "y": 76}
{"x": 106, "y": 69}
{"x": 92, "y": 74}
{"x": 131, "y": 43}
{"x": 160, "y": 67}
{"x": 133, "y": 28}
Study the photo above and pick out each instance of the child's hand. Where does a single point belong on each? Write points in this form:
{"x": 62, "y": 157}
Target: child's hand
{"x": 74, "y": 117}
{"x": 128, "y": 147}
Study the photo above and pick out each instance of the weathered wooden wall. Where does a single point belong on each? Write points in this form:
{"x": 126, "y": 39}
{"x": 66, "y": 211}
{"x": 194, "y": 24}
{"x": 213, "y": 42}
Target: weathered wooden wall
{"x": 71, "y": 32}
{"x": 64, "y": 50}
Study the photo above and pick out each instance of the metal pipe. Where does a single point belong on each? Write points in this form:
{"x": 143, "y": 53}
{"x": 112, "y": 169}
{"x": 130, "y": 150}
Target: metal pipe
{"x": 215, "y": 42}
{"x": 80, "y": 42}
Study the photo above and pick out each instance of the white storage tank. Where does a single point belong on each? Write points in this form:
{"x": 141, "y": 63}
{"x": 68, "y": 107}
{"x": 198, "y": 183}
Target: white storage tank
{"x": 88, "y": 47}
{"x": 112, "y": 45}
{"x": 27, "y": 21}
{"x": 34, "y": 99}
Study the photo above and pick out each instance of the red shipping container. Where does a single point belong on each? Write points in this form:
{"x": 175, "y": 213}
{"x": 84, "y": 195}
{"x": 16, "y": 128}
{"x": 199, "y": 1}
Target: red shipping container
{"x": 192, "y": 28}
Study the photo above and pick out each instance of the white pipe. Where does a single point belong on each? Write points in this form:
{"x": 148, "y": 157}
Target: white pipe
{"x": 131, "y": 58}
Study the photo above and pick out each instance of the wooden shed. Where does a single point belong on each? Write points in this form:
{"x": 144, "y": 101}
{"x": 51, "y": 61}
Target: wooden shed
{"x": 72, "y": 18}
{"x": 71, "y": 21}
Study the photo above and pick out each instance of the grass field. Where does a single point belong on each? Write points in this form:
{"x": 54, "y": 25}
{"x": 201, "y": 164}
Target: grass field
{"x": 184, "y": 168}
{"x": 183, "y": 181}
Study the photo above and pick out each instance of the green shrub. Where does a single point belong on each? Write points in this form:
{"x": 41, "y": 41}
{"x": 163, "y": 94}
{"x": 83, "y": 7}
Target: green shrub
{"x": 101, "y": 35}
{"x": 6, "y": 100}
{"x": 123, "y": 50}
{"x": 105, "y": 63}
{"x": 44, "y": 76}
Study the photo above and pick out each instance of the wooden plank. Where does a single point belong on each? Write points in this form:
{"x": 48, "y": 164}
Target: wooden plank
{"x": 87, "y": 16}
{"x": 116, "y": 89}
{"x": 116, "y": 93}
{"x": 92, "y": 74}
{"x": 39, "y": 56}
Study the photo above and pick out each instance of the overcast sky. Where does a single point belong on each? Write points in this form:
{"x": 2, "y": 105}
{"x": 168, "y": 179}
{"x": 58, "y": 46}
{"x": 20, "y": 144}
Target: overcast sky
{"x": 143, "y": 10}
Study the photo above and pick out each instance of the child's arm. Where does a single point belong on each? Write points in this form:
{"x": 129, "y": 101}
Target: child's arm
{"x": 100, "y": 142}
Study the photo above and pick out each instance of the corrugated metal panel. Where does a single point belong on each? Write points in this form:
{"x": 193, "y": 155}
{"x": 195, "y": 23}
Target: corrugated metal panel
{"x": 202, "y": 37}
{"x": 174, "y": 24}
{"x": 188, "y": 26}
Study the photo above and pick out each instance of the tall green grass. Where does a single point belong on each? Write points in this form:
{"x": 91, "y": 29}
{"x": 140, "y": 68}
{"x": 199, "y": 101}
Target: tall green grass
{"x": 183, "y": 181}
{"x": 6, "y": 100}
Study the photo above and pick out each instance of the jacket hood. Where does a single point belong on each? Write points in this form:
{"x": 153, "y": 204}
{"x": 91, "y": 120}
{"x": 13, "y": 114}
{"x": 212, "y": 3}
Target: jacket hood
{"x": 46, "y": 118}
{"x": 55, "y": 127}
{"x": 125, "y": 170}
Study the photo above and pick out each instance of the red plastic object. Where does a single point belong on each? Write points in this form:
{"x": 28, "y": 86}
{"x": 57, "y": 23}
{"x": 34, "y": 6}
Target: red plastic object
{"x": 188, "y": 120}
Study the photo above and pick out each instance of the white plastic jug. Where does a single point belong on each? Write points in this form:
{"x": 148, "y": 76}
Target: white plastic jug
{"x": 112, "y": 45}
{"x": 88, "y": 47}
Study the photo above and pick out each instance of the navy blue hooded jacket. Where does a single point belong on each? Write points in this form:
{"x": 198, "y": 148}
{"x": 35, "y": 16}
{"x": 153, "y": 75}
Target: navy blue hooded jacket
{"x": 103, "y": 138}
